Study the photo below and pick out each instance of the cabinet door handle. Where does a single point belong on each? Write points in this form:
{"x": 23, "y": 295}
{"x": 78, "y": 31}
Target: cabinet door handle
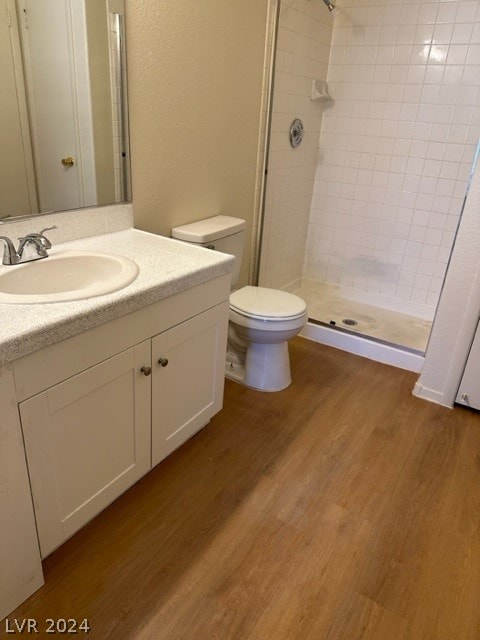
{"x": 146, "y": 371}
{"x": 163, "y": 361}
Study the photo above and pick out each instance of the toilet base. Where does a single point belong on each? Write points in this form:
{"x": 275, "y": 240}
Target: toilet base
{"x": 267, "y": 367}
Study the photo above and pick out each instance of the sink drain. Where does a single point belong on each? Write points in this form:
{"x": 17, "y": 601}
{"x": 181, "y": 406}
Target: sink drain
{"x": 349, "y": 322}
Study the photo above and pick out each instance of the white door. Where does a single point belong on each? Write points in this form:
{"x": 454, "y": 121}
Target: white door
{"x": 17, "y": 186}
{"x": 469, "y": 391}
{"x": 87, "y": 440}
{"x": 188, "y": 389}
{"x": 56, "y": 69}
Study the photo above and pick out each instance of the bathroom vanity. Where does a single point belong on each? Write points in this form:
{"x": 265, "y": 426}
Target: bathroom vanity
{"x": 96, "y": 392}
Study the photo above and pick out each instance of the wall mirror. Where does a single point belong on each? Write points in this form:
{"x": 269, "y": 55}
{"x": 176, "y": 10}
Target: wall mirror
{"x": 63, "y": 106}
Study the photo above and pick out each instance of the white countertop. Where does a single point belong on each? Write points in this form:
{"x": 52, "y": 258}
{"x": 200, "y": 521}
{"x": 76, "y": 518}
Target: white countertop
{"x": 166, "y": 267}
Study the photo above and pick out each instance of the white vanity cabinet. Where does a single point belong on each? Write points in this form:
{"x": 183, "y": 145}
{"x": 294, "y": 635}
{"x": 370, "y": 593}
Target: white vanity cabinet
{"x": 80, "y": 422}
{"x": 87, "y": 440}
{"x": 98, "y": 410}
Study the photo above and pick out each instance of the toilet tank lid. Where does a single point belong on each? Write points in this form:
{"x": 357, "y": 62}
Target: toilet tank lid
{"x": 209, "y": 229}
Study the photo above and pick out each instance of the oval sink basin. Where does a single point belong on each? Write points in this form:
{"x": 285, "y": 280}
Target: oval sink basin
{"x": 66, "y": 275}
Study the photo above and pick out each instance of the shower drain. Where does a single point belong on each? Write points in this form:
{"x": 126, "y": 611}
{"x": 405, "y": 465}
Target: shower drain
{"x": 349, "y": 322}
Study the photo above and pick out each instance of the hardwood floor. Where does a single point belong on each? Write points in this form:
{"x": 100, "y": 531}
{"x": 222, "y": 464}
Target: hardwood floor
{"x": 342, "y": 508}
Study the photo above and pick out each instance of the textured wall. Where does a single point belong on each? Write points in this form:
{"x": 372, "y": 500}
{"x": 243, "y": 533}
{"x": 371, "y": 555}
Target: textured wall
{"x": 396, "y": 146}
{"x": 458, "y": 309}
{"x": 195, "y": 82}
{"x": 303, "y": 46}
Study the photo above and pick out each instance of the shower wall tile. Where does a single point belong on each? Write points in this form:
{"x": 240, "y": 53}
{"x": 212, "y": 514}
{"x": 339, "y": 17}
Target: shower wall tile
{"x": 302, "y": 53}
{"x": 396, "y": 145}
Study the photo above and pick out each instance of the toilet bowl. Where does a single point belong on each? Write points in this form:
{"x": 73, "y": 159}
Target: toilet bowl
{"x": 262, "y": 320}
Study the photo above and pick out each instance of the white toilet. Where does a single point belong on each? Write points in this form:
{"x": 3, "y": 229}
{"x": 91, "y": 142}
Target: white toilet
{"x": 261, "y": 320}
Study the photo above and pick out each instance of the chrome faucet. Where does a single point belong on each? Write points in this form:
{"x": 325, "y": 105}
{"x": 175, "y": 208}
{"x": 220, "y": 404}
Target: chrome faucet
{"x": 37, "y": 241}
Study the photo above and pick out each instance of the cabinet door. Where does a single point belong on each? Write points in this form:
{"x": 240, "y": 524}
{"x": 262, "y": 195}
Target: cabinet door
{"x": 87, "y": 440}
{"x": 188, "y": 391}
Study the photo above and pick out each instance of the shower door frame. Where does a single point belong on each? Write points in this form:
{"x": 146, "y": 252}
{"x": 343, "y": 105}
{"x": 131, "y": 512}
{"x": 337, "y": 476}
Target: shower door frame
{"x": 270, "y": 87}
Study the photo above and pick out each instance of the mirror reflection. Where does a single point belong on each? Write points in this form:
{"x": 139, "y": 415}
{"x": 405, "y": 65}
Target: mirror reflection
{"x": 63, "y": 105}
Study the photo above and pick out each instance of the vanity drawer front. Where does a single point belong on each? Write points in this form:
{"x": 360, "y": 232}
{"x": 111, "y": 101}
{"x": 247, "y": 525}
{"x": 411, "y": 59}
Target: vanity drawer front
{"x": 87, "y": 440}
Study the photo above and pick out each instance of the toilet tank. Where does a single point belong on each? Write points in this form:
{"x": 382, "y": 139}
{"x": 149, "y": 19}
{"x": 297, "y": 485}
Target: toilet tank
{"x": 221, "y": 233}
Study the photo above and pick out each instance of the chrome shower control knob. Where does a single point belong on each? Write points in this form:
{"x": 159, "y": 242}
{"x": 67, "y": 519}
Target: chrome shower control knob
{"x": 163, "y": 362}
{"x": 146, "y": 371}
{"x": 296, "y": 133}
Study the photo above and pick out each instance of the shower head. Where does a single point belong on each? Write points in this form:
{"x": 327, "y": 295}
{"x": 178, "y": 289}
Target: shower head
{"x": 331, "y": 7}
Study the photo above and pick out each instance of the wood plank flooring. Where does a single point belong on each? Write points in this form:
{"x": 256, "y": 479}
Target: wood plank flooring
{"x": 342, "y": 508}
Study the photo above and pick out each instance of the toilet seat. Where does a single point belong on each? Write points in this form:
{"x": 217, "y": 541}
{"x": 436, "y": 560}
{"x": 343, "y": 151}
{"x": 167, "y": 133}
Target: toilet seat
{"x": 266, "y": 324}
{"x": 267, "y": 305}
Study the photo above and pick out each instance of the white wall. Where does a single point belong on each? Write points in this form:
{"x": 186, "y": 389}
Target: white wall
{"x": 396, "y": 145}
{"x": 302, "y": 54}
{"x": 194, "y": 89}
{"x": 458, "y": 310}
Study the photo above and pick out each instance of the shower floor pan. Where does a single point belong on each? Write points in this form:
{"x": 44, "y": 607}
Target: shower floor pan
{"x": 327, "y": 304}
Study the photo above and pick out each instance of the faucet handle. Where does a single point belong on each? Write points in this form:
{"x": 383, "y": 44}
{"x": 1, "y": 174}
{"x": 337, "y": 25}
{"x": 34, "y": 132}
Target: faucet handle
{"x": 41, "y": 242}
{"x": 40, "y": 233}
{"x": 46, "y": 241}
{"x": 38, "y": 237}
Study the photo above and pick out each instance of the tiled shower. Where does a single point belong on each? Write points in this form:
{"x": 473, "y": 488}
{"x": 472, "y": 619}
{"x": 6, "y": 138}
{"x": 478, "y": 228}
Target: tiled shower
{"x": 302, "y": 52}
{"x": 365, "y": 211}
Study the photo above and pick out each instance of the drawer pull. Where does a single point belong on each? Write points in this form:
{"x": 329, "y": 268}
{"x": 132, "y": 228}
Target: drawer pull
{"x": 163, "y": 361}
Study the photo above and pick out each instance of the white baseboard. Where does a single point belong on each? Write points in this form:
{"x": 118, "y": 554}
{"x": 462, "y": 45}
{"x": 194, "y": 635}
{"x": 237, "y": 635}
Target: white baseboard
{"x": 430, "y": 394}
{"x": 362, "y": 346}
